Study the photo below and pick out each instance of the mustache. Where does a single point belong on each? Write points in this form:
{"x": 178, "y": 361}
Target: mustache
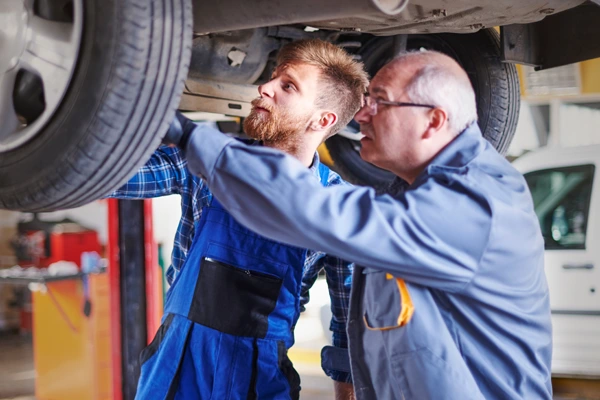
{"x": 258, "y": 102}
{"x": 366, "y": 128}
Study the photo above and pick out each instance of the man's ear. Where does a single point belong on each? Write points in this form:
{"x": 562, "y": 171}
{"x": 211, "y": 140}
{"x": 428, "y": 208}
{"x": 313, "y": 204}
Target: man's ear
{"x": 324, "y": 121}
{"x": 438, "y": 120}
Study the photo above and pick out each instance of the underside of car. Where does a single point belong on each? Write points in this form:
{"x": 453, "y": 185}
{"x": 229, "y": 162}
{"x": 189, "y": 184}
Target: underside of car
{"x": 87, "y": 88}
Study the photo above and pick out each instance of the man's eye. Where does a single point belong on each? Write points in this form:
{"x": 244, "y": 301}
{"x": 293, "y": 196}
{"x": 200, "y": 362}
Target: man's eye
{"x": 287, "y": 86}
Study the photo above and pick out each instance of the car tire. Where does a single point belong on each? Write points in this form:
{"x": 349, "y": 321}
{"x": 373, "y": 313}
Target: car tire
{"x": 496, "y": 86}
{"x": 131, "y": 63}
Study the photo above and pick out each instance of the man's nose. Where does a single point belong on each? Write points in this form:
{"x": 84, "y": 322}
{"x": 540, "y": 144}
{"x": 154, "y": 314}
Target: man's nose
{"x": 363, "y": 116}
{"x": 266, "y": 89}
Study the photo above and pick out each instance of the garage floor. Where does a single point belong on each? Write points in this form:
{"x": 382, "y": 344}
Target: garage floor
{"x": 17, "y": 375}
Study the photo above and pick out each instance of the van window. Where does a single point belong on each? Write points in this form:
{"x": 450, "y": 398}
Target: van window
{"x": 561, "y": 197}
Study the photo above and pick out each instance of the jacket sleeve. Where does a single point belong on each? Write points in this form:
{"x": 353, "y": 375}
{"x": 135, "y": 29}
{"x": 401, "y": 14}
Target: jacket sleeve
{"x": 433, "y": 235}
{"x": 164, "y": 174}
{"x": 338, "y": 273}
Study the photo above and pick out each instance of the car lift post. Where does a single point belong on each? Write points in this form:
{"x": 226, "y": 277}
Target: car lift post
{"x": 135, "y": 302}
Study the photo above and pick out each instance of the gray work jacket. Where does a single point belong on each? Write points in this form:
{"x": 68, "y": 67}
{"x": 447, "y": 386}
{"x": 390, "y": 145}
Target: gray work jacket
{"x": 463, "y": 237}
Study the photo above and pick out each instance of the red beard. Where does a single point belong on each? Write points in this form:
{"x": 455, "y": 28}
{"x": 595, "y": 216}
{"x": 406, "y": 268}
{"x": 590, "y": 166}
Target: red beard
{"x": 275, "y": 127}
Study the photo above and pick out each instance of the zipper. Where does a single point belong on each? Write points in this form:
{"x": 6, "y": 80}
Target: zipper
{"x": 253, "y": 377}
{"x": 250, "y": 273}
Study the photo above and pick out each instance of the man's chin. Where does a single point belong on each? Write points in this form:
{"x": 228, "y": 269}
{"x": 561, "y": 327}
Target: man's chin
{"x": 254, "y": 134}
{"x": 365, "y": 154}
{"x": 254, "y": 128}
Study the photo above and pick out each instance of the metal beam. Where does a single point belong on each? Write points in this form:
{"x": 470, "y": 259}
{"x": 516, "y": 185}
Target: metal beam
{"x": 559, "y": 39}
{"x": 218, "y": 97}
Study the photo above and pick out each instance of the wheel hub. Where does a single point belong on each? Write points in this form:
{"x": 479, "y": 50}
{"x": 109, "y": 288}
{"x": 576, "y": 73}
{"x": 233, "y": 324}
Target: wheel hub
{"x": 13, "y": 24}
{"x": 39, "y": 47}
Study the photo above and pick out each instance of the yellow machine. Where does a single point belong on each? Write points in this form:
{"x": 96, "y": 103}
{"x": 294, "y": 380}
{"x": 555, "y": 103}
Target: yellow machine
{"x": 72, "y": 351}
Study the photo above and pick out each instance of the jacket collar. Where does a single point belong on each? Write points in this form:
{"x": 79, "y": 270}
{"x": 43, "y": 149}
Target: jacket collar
{"x": 458, "y": 153}
{"x": 314, "y": 167}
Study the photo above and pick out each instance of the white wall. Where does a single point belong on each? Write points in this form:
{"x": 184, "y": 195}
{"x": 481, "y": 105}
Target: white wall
{"x": 93, "y": 216}
{"x": 166, "y": 212}
{"x": 572, "y": 121}
{"x": 525, "y": 138}
{"x": 578, "y": 126}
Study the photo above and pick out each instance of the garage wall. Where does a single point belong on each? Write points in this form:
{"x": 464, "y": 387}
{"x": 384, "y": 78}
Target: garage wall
{"x": 578, "y": 125}
{"x": 525, "y": 138}
{"x": 8, "y": 222}
{"x": 166, "y": 212}
{"x": 93, "y": 216}
{"x": 590, "y": 76}
{"x": 9, "y": 316}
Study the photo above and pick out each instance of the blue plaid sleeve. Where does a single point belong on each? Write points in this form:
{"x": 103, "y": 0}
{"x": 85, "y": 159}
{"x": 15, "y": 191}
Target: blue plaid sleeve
{"x": 339, "y": 280}
{"x": 165, "y": 173}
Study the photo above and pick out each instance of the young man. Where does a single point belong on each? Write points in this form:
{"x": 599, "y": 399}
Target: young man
{"x": 236, "y": 296}
{"x": 450, "y": 300}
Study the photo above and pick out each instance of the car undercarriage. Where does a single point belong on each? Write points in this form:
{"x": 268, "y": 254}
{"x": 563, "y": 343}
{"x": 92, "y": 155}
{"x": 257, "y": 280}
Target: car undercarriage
{"x": 87, "y": 90}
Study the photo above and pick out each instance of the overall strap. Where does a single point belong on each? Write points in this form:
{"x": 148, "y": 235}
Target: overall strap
{"x": 324, "y": 173}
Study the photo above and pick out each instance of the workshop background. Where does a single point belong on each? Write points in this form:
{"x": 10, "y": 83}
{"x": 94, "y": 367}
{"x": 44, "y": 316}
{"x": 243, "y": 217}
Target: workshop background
{"x": 55, "y": 334}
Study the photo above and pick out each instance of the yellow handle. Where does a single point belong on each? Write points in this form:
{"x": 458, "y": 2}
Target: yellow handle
{"x": 406, "y": 311}
{"x": 407, "y": 305}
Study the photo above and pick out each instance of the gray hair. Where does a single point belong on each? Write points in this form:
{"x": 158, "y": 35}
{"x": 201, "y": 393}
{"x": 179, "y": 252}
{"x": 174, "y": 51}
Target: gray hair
{"x": 434, "y": 84}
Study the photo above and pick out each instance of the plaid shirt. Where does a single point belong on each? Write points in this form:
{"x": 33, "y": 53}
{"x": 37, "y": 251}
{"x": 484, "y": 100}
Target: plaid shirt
{"x": 166, "y": 173}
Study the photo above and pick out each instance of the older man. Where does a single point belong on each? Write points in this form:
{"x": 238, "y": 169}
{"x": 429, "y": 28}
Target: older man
{"x": 452, "y": 299}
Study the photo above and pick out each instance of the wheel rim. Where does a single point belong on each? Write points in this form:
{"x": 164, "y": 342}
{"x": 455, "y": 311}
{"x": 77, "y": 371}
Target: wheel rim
{"x": 40, "y": 42}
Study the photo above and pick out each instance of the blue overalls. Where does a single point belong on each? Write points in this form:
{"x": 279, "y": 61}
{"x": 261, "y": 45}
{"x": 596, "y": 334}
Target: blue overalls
{"x": 229, "y": 317}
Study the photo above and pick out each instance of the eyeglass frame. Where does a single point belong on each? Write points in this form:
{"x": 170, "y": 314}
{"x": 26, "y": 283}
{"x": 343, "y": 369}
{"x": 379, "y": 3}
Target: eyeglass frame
{"x": 373, "y": 104}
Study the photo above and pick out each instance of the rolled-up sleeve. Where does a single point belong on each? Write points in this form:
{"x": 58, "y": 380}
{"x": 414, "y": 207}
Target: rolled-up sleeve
{"x": 163, "y": 174}
{"x": 338, "y": 273}
{"x": 435, "y": 235}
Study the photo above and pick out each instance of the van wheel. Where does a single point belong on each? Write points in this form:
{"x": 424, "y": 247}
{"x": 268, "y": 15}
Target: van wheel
{"x": 496, "y": 86}
{"x": 87, "y": 89}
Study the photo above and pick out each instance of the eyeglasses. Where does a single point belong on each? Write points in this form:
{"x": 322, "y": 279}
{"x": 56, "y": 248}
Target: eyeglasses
{"x": 372, "y": 104}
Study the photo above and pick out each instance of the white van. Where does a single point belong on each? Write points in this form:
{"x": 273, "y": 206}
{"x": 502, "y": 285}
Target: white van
{"x": 566, "y": 193}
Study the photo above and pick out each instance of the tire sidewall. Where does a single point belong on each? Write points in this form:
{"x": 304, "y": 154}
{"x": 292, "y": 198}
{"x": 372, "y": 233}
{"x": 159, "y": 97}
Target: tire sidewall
{"x": 126, "y": 86}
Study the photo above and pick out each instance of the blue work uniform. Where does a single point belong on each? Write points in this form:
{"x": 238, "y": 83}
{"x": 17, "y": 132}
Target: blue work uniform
{"x": 167, "y": 173}
{"x": 451, "y": 301}
{"x": 229, "y": 317}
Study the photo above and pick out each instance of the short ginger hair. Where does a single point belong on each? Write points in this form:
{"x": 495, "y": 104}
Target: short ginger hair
{"x": 344, "y": 79}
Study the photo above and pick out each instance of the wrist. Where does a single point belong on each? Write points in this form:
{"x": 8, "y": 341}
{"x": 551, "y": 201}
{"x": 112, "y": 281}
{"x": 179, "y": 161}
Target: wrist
{"x": 179, "y": 131}
{"x": 188, "y": 127}
{"x": 335, "y": 362}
